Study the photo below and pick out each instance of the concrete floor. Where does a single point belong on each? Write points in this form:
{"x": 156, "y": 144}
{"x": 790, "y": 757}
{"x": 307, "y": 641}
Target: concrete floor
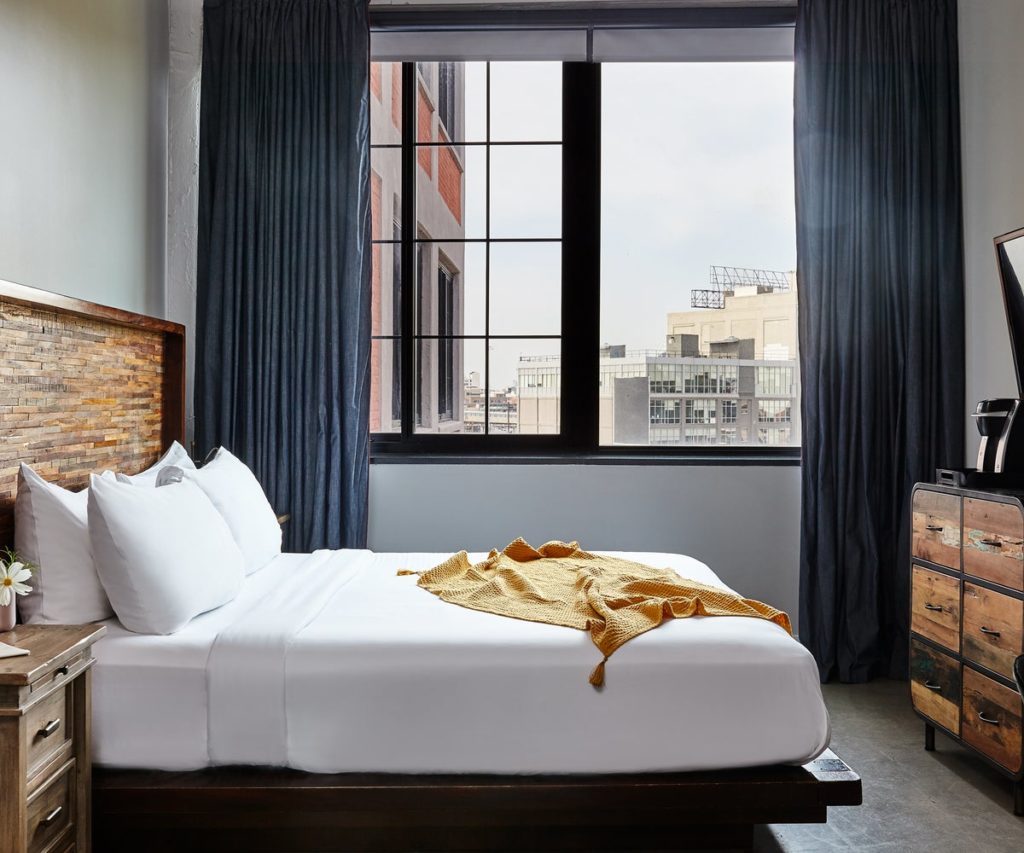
{"x": 947, "y": 801}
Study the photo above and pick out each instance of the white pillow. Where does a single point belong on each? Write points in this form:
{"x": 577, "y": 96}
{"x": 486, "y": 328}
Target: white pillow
{"x": 238, "y": 496}
{"x": 163, "y": 555}
{"x": 51, "y": 530}
{"x": 175, "y": 455}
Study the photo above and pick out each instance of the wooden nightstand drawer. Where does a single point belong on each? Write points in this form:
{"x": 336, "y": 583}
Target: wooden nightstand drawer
{"x": 993, "y": 540}
{"x": 47, "y": 728}
{"x": 50, "y": 809}
{"x": 993, "y": 628}
{"x": 992, "y": 719}
{"x": 936, "y": 535}
{"x": 65, "y": 672}
{"x": 935, "y": 607}
{"x": 935, "y": 685}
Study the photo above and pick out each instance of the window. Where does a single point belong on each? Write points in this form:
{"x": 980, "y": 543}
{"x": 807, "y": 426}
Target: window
{"x": 600, "y": 256}
{"x": 446, "y": 350}
{"x": 446, "y": 98}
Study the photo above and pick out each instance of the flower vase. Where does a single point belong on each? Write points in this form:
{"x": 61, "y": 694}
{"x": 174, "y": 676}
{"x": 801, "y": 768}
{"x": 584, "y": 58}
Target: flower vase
{"x": 8, "y": 615}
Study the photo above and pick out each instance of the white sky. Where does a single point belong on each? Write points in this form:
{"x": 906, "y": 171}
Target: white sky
{"x": 697, "y": 170}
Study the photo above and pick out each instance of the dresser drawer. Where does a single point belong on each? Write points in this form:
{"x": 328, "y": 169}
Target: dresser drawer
{"x": 935, "y": 607}
{"x": 993, "y": 538}
{"x": 936, "y": 535}
{"x": 935, "y": 685}
{"x": 992, "y": 719}
{"x": 50, "y": 809}
{"x": 47, "y": 728}
{"x": 993, "y": 628}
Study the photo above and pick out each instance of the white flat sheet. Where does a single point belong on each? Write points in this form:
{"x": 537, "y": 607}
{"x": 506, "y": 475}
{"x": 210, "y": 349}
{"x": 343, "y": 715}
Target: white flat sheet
{"x": 330, "y": 662}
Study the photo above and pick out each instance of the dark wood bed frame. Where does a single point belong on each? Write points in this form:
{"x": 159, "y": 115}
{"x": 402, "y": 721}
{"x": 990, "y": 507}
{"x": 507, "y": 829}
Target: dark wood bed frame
{"x": 84, "y": 387}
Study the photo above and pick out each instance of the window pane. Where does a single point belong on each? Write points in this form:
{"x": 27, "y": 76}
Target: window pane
{"x": 526, "y": 101}
{"x": 466, "y": 264}
{"x": 526, "y": 288}
{"x": 449, "y": 376}
{"x": 385, "y": 385}
{"x": 385, "y": 103}
{"x": 385, "y": 191}
{"x": 528, "y": 374}
{"x": 698, "y": 252}
{"x": 526, "y": 191}
{"x": 386, "y": 284}
{"x": 451, "y": 192}
{"x": 451, "y": 102}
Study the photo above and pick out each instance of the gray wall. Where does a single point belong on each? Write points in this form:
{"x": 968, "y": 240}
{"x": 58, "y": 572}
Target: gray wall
{"x": 743, "y": 521}
{"x": 992, "y": 109}
{"x": 82, "y": 148}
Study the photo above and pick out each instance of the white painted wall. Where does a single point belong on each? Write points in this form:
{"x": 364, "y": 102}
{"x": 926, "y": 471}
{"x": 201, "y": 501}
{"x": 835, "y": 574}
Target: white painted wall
{"x": 743, "y": 521}
{"x": 185, "y": 19}
{"x": 82, "y": 142}
{"x": 992, "y": 115}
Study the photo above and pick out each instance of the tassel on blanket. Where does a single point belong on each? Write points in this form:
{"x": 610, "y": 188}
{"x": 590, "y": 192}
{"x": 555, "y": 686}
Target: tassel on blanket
{"x": 597, "y": 676}
{"x": 403, "y": 572}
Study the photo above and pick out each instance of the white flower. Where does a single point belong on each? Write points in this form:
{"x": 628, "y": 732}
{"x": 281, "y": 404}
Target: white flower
{"x": 12, "y": 581}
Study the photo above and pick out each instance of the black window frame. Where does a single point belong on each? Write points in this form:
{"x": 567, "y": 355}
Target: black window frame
{"x": 578, "y": 440}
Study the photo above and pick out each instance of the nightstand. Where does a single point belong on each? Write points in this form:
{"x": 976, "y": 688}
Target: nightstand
{"x": 45, "y": 763}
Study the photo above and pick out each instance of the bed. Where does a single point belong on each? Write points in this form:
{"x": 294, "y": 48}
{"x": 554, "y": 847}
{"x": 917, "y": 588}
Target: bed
{"x": 334, "y": 705}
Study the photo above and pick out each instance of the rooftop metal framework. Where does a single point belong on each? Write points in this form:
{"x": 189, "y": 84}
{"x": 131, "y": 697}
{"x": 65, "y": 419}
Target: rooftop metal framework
{"x": 723, "y": 282}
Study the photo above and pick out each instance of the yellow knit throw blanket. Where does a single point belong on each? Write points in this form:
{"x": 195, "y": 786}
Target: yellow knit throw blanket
{"x": 559, "y": 584}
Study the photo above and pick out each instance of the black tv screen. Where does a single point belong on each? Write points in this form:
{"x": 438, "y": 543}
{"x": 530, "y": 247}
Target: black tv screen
{"x": 1010, "y": 258}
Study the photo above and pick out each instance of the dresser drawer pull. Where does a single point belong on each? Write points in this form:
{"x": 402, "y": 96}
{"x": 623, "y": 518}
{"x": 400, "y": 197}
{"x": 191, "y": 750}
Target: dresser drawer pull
{"x": 936, "y": 687}
{"x": 935, "y": 607}
{"x": 61, "y": 670}
{"x": 934, "y": 528}
{"x": 52, "y": 816}
{"x": 50, "y": 728}
{"x": 992, "y": 543}
{"x": 989, "y": 631}
{"x": 989, "y": 720}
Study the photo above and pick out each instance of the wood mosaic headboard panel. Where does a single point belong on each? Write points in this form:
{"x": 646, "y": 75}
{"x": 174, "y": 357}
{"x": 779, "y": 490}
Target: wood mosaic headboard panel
{"x": 83, "y": 387}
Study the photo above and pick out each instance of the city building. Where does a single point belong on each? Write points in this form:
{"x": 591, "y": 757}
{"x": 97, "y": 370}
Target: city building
{"x": 440, "y": 206}
{"x": 728, "y": 375}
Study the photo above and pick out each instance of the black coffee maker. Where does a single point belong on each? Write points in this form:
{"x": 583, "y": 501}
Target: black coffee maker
{"x": 1001, "y": 424}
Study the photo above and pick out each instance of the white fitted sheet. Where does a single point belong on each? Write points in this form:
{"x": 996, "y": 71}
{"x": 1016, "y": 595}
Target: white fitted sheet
{"x": 330, "y": 662}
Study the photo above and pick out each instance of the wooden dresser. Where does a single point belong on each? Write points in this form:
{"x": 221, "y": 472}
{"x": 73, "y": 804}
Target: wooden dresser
{"x": 967, "y": 621}
{"x": 45, "y": 764}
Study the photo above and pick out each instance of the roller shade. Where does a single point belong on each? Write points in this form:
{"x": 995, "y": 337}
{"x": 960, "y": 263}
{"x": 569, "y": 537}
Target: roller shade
{"x": 732, "y": 44}
{"x": 564, "y": 45}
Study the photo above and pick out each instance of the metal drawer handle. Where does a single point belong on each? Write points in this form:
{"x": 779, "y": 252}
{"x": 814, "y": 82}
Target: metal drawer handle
{"x": 992, "y": 543}
{"x": 936, "y": 687}
{"x": 935, "y": 607}
{"x": 989, "y": 631}
{"x": 935, "y": 528}
{"x": 50, "y": 728}
{"x": 61, "y": 670}
{"x": 52, "y": 816}
{"x": 984, "y": 719}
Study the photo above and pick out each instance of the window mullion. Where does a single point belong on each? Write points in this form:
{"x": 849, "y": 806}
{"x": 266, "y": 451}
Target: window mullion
{"x": 408, "y": 247}
{"x": 581, "y": 263}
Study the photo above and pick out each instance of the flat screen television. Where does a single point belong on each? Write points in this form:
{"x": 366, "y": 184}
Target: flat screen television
{"x": 1010, "y": 260}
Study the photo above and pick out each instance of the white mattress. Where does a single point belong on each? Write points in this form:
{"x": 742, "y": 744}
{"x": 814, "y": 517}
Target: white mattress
{"x": 330, "y": 662}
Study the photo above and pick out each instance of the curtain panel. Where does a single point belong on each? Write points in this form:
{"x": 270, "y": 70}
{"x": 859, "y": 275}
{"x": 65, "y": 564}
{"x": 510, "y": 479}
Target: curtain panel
{"x": 283, "y": 301}
{"x": 880, "y": 282}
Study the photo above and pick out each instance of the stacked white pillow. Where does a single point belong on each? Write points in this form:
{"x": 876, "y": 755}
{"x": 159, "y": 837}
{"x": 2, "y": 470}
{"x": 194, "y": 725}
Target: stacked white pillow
{"x": 51, "y": 530}
{"x": 239, "y": 498}
{"x": 118, "y": 546}
{"x": 164, "y": 555}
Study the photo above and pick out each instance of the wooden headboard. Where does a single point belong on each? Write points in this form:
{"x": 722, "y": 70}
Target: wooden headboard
{"x": 83, "y": 387}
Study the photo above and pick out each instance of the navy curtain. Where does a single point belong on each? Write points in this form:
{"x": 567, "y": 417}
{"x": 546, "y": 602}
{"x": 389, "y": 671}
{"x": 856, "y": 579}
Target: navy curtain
{"x": 880, "y": 281}
{"x": 283, "y": 302}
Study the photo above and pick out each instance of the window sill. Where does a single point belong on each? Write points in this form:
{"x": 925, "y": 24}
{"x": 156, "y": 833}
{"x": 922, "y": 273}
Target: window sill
{"x": 786, "y": 457}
